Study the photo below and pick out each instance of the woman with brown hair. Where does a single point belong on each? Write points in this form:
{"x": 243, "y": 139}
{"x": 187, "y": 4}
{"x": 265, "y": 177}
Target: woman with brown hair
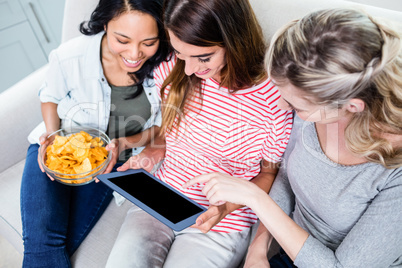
{"x": 219, "y": 115}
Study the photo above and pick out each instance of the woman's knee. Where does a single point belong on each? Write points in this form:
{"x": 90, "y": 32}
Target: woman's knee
{"x": 143, "y": 241}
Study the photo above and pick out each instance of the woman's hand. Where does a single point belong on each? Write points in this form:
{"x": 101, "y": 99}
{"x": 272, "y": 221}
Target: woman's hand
{"x": 147, "y": 159}
{"x": 225, "y": 194}
{"x": 256, "y": 261}
{"x": 114, "y": 147}
{"x": 211, "y": 217}
{"x": 221, "y": 188}
{"x": 52, "y": 123}
{"x": 44, "y": 140}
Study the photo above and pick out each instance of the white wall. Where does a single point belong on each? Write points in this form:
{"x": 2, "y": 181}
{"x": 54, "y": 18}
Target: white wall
{"x": 389, "y": 4}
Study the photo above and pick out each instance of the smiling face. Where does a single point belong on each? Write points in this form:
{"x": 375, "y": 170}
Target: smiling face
{"x": 132, "y": 38}
{"x": 204, "y": 62}
{"x": 293, "y": 98}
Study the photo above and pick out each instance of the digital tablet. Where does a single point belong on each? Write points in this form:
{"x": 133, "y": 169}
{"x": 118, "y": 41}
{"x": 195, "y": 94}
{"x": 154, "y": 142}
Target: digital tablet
{"x": 155, "y": 197}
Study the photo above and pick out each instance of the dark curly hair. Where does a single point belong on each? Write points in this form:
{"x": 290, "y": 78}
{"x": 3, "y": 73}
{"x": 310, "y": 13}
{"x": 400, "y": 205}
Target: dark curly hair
{"x": 106, "y": 10}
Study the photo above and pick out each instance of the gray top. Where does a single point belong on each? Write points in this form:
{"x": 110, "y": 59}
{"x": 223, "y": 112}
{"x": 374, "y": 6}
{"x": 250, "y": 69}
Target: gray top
{"x": 352, "y": 213}
{"x": 127, "y": 116}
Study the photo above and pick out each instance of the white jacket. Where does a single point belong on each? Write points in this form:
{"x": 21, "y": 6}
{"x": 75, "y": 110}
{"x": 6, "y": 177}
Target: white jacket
{"x": 75, "y": 81}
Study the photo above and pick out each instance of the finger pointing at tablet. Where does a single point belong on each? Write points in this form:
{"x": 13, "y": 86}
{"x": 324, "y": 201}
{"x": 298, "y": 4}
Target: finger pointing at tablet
{"x": 220, "y": 188}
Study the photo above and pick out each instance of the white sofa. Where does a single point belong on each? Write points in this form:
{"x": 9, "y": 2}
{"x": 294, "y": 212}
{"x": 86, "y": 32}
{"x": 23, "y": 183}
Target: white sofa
{"x": 21, "y": 113}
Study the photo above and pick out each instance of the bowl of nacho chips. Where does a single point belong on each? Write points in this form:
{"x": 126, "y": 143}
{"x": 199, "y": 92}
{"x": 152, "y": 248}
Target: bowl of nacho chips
{"x": 75, "y": 156}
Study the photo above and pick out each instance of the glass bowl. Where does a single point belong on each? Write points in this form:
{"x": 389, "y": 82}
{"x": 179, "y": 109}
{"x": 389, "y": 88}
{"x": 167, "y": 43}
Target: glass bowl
{"x": 78, "y": 147}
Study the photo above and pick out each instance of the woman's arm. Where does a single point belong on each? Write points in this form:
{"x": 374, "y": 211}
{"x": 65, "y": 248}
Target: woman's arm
{"x": 152, "y": 154}
{"x": 374, "y": 241}
{"x": 50, "y": 116}
{"x": 148, "y": 136}
{"x": 52, "y": 123}
{"x": 220, "y": 188}
{"x": 258, "y": 249}
{"x": 140, "y": 139}
{"x": 287, "y": 233}
{"x": 217, "y": 212}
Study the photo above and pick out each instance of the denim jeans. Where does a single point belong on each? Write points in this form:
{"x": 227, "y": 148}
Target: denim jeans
{"x": 281, "y": 260}
{"x": 56, "y": 217}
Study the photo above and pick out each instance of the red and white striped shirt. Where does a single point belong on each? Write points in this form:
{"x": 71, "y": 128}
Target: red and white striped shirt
{"x": 230, "y": 134}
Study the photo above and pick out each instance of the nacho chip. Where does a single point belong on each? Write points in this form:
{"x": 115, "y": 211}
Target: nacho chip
{"x": 85, "y": 166}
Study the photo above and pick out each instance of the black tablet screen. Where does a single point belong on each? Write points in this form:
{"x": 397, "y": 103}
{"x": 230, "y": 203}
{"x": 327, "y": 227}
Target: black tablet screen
{"x": 169, "y": 204}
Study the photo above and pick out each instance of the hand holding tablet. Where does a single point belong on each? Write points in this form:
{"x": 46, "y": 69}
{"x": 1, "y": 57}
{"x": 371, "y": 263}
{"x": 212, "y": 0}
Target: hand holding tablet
{"x": 160, "y": 200}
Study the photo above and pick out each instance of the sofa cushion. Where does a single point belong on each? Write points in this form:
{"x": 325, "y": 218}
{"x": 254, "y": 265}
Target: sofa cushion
{"x": 20, "y": 114}
{"x": 10, "y": 217}
{"x": 95, "y": 249}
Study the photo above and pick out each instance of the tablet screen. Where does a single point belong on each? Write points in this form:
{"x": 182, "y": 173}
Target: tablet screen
{"x": 155, "y": 195}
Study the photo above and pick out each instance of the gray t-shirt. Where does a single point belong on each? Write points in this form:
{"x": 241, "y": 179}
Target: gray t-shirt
{"x": 352, "y": 213}
{"x": 127, "y": 116}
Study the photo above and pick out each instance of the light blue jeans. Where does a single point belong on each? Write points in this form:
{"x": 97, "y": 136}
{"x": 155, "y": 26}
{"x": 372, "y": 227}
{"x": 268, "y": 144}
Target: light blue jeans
{"x": 143, "y": 241}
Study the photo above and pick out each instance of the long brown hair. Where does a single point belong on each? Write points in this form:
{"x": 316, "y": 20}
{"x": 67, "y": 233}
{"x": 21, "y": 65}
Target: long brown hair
{"x": 230, "y": 24}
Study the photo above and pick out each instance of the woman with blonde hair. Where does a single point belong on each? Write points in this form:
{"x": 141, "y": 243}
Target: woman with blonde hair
{"x": 337, "y": 199}
{"x": 219, "y": 114}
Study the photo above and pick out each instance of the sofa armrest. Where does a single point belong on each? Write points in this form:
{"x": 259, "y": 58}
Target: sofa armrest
{"x": 21, "y": 112}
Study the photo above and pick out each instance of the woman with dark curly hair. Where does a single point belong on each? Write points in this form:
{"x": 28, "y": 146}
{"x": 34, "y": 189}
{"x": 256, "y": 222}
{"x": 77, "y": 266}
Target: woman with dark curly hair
{"x": 103, "y": 80}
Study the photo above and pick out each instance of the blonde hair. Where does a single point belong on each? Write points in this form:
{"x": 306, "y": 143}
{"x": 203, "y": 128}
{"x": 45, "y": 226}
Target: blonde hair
{"x": 335, "y": 55}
